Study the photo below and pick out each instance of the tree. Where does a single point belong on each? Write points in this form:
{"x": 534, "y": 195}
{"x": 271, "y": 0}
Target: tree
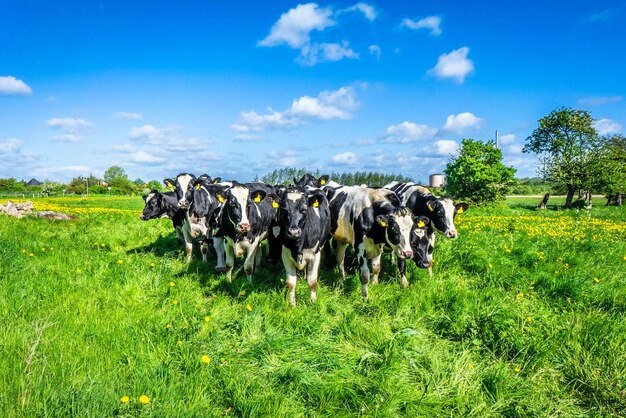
{"x": 612, "y": 175}
{"x": 569, "y": 150}
{"x": 478, "y": 174}
{"x": 115, "y": 174}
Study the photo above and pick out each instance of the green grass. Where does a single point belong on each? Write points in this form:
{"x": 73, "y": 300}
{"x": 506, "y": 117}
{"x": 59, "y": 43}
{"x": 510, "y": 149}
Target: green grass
{"x": 510, "y": 324}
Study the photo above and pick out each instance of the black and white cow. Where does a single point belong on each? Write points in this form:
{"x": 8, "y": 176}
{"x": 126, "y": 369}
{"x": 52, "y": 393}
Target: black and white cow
{"x": 243, "y": 223}
{"x": 164, "y": 205}
{"x": 440, "y": 210}
{"x": 180, "y": 186}
{"x": 304, "y": 218}
{"x": 369, "y": 220}
{"x": 420, "y": 245}
{"x": 203, "y": 204}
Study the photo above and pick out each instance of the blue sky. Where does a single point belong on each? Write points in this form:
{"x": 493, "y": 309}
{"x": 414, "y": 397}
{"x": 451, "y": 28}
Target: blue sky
{"x": 237, "y": 89}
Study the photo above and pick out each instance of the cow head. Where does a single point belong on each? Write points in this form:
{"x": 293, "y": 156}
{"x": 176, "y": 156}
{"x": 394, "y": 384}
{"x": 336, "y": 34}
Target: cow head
{"x": 182, "y": 185}
{"x": 442, "y": 212}
{"x": 295, "y": 207}
{"x": 238, "y": 203}
{"x": 397, "y": 226}
{"x": 154, "y": 207}
{"x": 420, "y": 241}
{"x": 311, "y": 181}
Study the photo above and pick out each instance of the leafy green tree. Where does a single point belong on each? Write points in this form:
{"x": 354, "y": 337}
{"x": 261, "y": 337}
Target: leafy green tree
{"x": 371, "y": 178}
{"x": 115, "y": 175}
{"x": 11, "y": 185}
{"x": 478, "y": 174}
{"x": 153, "y": 184}
{"x": 612, "y": 173}
{"x": 569, "y": 150}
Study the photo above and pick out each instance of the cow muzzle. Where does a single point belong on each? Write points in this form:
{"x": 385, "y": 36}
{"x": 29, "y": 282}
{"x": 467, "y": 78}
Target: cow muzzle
{"x": 241, "y": 227}
{"x": 451, "y": 233}
{"x": 294, "y": 232}
{"x": 424, "y": 264}
{"x": 406, "y": 254}
{"x": 142, "y": 217}
{"x": 183, "y": 204}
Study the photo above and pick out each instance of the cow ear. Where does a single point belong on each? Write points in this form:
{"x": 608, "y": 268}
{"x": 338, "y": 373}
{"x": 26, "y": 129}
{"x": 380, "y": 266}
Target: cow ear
{"x": 274, "y": 200}
{"x": 382, "y": 220}
{"x": 421, "y": 221}
{"x": 461, "y": 207}
{"x": 258, "y": 196}
{"x": 217, "y": 180}
{"x": 169, "y": 183}
{"x": 144, "y": 197}
{"x": 315, "y": 198}
{"x": 323, "y": 180}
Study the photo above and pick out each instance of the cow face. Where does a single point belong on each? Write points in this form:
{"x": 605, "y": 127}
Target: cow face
{"x": 442, "y": 212}
{"x": 398, "y": 227}
{"x": 154, "y": 206}
{"x": 420, "y": 242}
{"x": 295, "y": 208}
{"x": 182, "y": 185}
{"x": 238, "y": 203}
{"x": 311, "y": 181}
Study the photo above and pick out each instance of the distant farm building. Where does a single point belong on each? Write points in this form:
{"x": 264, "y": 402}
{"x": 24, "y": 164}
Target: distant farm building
{"x": 32, "y": 182}
{"x": 435, "y": 180}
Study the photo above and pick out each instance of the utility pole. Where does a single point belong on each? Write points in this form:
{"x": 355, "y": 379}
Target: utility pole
{"x": 87, "y": 185}
{"x": 497, "y": 139}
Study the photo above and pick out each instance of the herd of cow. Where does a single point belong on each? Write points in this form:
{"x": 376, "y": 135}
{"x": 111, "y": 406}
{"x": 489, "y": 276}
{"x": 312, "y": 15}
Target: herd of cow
{"x": 301, "y": 219}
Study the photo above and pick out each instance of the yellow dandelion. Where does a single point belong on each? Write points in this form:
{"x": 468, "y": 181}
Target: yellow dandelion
{"x": 529, "y": 318}
{"x": 23, "y": 251}
{"x": 249, "y": 307}
{"x": 223, "y": 360}
{"x": 519, "y": 296}
{"x": 517, "y": 369}
{"x": 595, "y": 279}
{"x": 120, "y": 261}
{"x": 625, "y": 258}
{"x": 180, "y": 342}
{"x": 152, "y": 265}
{"x": 172, "y": 284}
{"x": 144, "y": 399}
{"x": 175, "y": 302}
{"x": 566, "y": 266}
{"x": 472, "y": 367}
{"x": 490, "y": 265}
{"x": 507, "y": 250}
{"x": 206, "y": 359}
{"x": 124, "y": 399}
{"x": 51, "y": 248}
{"x": 43, "y": 249}
{"x": 207, "y": 319}
{"x": 168, "y": 326}
{"x": 78, "y": 270}
{"x": 31, "y": 255}
{"x": 242, "y": 293}
{"x": 102, "y": 245}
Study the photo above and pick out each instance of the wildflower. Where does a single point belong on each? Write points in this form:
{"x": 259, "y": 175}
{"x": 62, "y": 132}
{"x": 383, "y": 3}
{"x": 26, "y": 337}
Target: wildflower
{"x": 172, "y": 284}
{"x": 175, "y": 302}
{"x": 51, "y": 248}
{"x": 124, "y": 399}
{"x": 472, "y": 367}
{"x": 152, "y": 265}
{"x": 78, "y": 270}
{"x": 206, "y": 359}
{"x": 242, "y": 293}
{"x": 23, "y": 251}
{"x": 519, "y": 296}
{"x": 517, "y": 369}
{"x": 595, "y": 279}
{"x": 120, "y": 261}
{"x": 223, "y": 360}
{"x": 207, "y": 319}
{"x": 102, "y": 245}
{"x": 248, "y": 307}
{"x": 490, "y": 265}
{"x": 529, "y": 318}
{"x": 507, "y": 250}
{"x": 43, "y": 249}
{"x": 144, "y": 399}
{"x": 31, "y": 255}
{"x": 180, "y": 342}
{"x": 566, "y": 266}
{"x": 168, "y": 326}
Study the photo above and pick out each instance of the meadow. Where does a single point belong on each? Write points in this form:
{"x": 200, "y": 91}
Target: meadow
{"x": 523, "y": 316}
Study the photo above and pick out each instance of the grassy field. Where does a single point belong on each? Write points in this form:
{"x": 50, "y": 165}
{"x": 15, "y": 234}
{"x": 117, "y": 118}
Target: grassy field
{"x": 102, "y": 316}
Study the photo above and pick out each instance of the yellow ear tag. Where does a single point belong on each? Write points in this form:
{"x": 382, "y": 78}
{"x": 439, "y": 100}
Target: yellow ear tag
{"x": 168, "y": 184}
{"x": 198, "y": 186}
{"x": 220, "y": 198}
{"x": 257, "y": 198}
{"x": 316, "y": 203}
{"x": 322, "y": 182}
{"x": 460, "y": 210}
{"x": 421, "y": 224}
{"x": 383, "y": 224}
{"x": 430, "y": 207}
{"x": 275, "y": 204}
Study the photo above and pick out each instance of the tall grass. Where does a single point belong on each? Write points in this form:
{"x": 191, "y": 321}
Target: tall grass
{"x": 510, "y": 324}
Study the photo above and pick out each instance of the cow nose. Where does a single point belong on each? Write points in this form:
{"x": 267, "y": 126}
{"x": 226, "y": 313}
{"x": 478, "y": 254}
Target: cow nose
{"x": 451, "y": 233}
{"x": 142, "y": 217}
{"x": 425, "y": 264}
{"x": 295, "y": 232}
{"x": 408, "y": 254}
{"x": 243, "y": 227}
{"x": 183, "y": 203}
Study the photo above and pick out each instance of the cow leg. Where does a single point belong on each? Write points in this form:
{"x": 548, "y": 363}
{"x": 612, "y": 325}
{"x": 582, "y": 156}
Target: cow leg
{"x": 249, "y": 264}
{"x": 218, "y": 244}
{"x": 402, "y": 270}
{"x": 365, "y": 271}
{"x": 311, "y": 276}
{"x": 259, "y": 256}
{"x": 179, "y": 235}
{"x": 188, "y": 243}
{"x": 204, "y": 248}
{"x": 375, "y": 268}
{"x": 290, "y": 272}
{"x": 341, "y": 255}
{"x": 229, "y": 252}
{"x": 429, "y": 254}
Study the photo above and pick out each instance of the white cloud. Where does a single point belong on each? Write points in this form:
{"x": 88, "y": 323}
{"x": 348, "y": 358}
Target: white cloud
{"x": 599, "y": 100}
{"x": 293, "y": 27}
{"x": 129, "y": 115}
{"x": 11, "y": 86}
{"x": 375, "y": 51}
{"x": 344, "y": 158}
{"x": 10, "y": 146}
{"x": 315, "y": 53}
{"x": 68, "y": 124}
{"x": 249, "y": 138}
{"x": 145, "y": 132}
{"x": 433, "y": 23}
{"x": 607, "y": 127}
{"x": 364, "y": 141}
{"x": 62, "y": 173}
{"x": 446, "y": 147}
{"x": 507, "y": 139}
{"x": 454, "y": 65}
{"x": 460, "y": 123}
{"x": 284, "y": 158}
{"x": 68, "y": 138}
{"x": 408, "y": 132}
{"x": 143, "y": 157}
{"x": 368, "y": 11}
{"x": 335, "y": 104}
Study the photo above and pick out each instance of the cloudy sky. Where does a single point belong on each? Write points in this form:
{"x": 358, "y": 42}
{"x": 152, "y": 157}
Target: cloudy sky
{"x": 237, "y": 89}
